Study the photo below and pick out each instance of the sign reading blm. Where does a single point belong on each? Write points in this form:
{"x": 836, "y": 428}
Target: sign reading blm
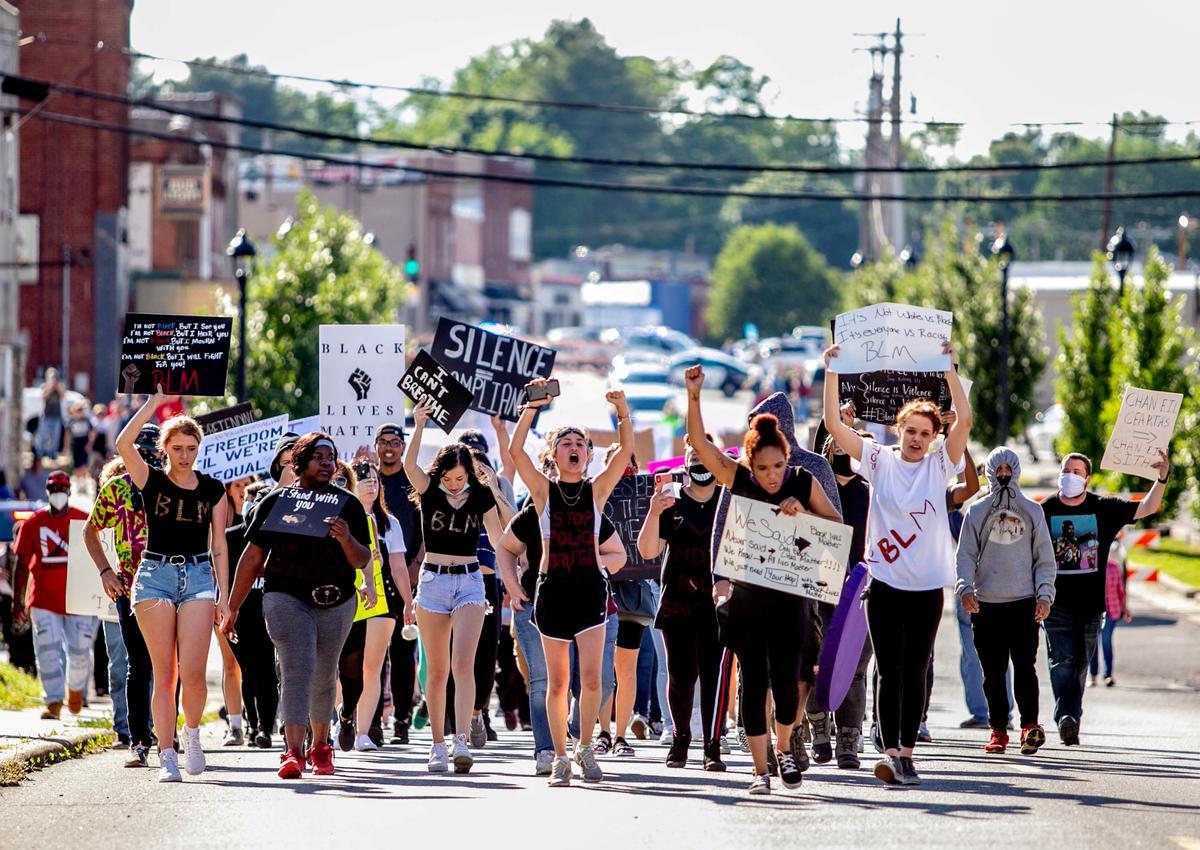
{"x": 361, "y": 367}
{"x": 494, "y": 368}
{"x": 185, "y": 355}
{"x": 426, "y": 378}
{"x": 891, "y": 336}
{"x": 803, "y": 555}
{"x": 1143, "y": 428}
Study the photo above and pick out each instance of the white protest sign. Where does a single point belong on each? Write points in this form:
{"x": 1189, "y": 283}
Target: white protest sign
{"x": 891, "y": 336}
{"x": 803, "y": 555}
{"x": 305, "y": 426}
{"x": 1144, "y": 427}
{"x": 241, "y": 451}
{"x": 361, "y": 367}
{"x": 85, "y": 590}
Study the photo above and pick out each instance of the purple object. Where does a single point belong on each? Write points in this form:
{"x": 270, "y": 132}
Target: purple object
{"x": 843, "y": 645}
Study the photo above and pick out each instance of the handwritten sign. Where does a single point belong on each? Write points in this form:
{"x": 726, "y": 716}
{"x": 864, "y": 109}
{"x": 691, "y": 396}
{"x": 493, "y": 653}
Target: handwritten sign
{"x": 85, "y": 590}
{"x": 305, "y": 512}
{"x": 879, "y": 396}
{"x": 241, "y": 451}
{"x": 185, "y": 355}
{"x": 627, "y": 509}
{"x": 226, "y": 418}
{"x": 493, "y": 367}
{"x": 1144, "y": 426}
{"x": 428, "y": 378}
{"x": 803, "y": 555}
{"x": 361, "y": 367}
{"x": 894, "y": 337}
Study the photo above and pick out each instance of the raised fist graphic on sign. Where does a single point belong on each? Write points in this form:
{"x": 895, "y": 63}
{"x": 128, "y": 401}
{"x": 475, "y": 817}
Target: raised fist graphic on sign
{"x": 361, "y": 382}
{"x": 131, "y": 373}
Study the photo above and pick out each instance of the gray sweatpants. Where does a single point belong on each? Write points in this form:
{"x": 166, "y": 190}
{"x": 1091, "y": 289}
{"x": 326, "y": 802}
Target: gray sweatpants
{"x": 308, "y": 642}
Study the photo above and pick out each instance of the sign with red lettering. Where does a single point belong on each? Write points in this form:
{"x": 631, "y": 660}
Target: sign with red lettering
{"x": 495, "y": 368}
{"x": 185, "y": 355}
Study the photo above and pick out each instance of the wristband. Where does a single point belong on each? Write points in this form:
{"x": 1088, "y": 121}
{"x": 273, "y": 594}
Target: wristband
{"x": 106, "y": 570}
{"x": 1164, "y": 479}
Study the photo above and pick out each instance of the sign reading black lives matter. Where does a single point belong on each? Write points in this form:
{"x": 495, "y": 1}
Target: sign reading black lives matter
{"x": 361, "y": 367}
{"x": 305, "y": 512}
{"x": 448, "y": 397}
{"x": 627, "y": 509}
{"x": 493, "y": 367}
{"x": 185, "y": 355}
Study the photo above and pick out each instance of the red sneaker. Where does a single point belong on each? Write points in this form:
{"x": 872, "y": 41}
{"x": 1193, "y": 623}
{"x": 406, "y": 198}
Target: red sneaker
{"x": 998, "y": 742}
{"x": 291, "y": 765}
{"x": 321, "y": 759}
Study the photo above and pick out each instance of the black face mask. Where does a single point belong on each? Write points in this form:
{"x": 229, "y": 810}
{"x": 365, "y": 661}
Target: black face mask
{"x": 1003, "y": 480}
{"x": 841, "y": 465}
{"x": 700, "y": 475}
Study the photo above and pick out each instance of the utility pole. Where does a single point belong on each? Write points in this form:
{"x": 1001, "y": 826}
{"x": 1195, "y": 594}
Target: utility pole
{"x": 896, "y": 230}
{"x": 882, "y": 222}
{"x": 1106, "y": 219}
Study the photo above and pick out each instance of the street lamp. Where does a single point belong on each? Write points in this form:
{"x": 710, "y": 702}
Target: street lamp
{"x": 1003, "y": 250}
{"x": 1120, "y": 253}
{"x": 241, "y": 253}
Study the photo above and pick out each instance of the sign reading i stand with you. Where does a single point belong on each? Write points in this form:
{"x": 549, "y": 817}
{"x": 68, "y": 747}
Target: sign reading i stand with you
{"x": 897, "y": 337}
{"x": 449, "y": 399}
{"x": 361, "y": 367}
{"x": 493, "y": 367}
{"x": 1144, "y": 426}
{"x": 240, "y": 451}
{"x": 185, "y": 355}
{"x": 627, "y": 509}
{"x": 305, "y": 512}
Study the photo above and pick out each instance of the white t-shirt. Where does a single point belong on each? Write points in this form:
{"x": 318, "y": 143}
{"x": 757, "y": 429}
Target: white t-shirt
{"x": 908, "y": 534}
{"x": 394, "y": 537}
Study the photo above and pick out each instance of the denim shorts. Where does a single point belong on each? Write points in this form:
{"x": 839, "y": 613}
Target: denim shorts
{"x": 177, "y": 584}
{"x": 441, "y": 593}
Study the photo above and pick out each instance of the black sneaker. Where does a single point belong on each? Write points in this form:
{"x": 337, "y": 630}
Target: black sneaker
{"x": 772, "y": 762}
{"x": 262, "y": 740}
{"x": 345, "y": 734}
{"x": 375, "y": 734}
{"x": 798, "y": 750}
{"x": 822, "y": 731}
{"x": 877, "y": 738}
{"x": 1068, "y": 730}
{"x": 908, "y": 772}
{"x": 677, "y": 756}
{"x": 487, "y": 726}
{"x": 712, "y": 758}
{"x": 399, "y": 732}
{"x": 789, "y": 773}
{"x": 137, "y": 757}
{"x": 123, "y": 740}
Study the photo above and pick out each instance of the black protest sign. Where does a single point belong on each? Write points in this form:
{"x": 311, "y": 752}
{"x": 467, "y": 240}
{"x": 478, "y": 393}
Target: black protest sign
{"x": 627, "y": 509}
{"x": 879, "y": 396}
{"x": 448, "y": 398}
{"x": 494, "y": 368}
{"x": 226, "y": 418}
{"x": 305, "y": 512}
{"x": 185, "y": 355}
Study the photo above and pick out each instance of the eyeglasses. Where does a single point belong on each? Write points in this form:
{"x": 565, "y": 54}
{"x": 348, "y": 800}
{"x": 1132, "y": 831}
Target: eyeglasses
{"x": 390, "y": 444}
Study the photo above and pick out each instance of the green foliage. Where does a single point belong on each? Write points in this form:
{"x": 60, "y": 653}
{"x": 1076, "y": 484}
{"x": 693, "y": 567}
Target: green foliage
{"x": 772, "y": 276}
{"x": 1085, "y": 366}
{"x": 17, "y": 688}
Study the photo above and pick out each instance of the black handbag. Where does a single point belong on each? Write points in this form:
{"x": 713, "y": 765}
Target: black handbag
{"x": 637, "y": 601}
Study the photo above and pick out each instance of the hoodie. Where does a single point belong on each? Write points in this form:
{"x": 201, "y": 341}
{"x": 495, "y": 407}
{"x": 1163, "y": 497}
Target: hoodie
{"x": 1004, "y": 551}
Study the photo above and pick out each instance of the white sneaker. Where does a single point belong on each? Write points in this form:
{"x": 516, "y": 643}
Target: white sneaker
{"x": 560, "y": 773}
{"x": 463, "y": 760}
{"x": 545, "y": 763}
{"x": 438, "y": 761}
{"x": 193, "y": 753}
{"x": 668, "y": 736}
{"x": 364, "y": 744}
{"x": 168, "y": 770}
{"x": 725, "y": 746}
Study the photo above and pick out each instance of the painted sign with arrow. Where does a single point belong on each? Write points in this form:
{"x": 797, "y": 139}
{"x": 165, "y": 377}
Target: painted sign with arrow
{"x": 1143, "y": 428}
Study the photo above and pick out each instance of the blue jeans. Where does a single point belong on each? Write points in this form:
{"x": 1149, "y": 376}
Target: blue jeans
{"x": 1070, "y": 642}
{"x": 535, "y": 658}
{"x": 1106, "y": 633}
{"x": 651, "y": 700}
{"x": 63, "y": 645}
{"x": 118, "y": 674}
{"x": 608, "y": 675}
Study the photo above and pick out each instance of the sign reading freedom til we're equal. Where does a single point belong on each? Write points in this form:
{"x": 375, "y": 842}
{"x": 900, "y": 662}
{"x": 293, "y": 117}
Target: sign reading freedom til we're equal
{"x": 898, "y": 337}
{"x": 241, "y": 451}
{"x": 493, "y": 367}
{"x": 449, "y": 399}
{"x": 803, "y": 555}
{"x": 185, "y": 355}
{"x": 361, "y": 367}
{"x": 1144, "y": 427}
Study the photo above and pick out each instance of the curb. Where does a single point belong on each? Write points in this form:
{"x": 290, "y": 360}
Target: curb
{"x": 44, "y": 752}
{"x": 1174, "y": 585}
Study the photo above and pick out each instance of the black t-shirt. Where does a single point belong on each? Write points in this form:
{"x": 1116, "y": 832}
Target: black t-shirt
{"x": 687, "y": 583}
{"x": 314, "y": 570}
{"x": 856, "y": 505}
{"x": 396, "y": 488}
{"x": 177, "y": 520}
{"x": 1082, "y": 535}
{"x": 526, "y": 528}
{"x": 235, "y": 542}
{"x": 454, "y": 531}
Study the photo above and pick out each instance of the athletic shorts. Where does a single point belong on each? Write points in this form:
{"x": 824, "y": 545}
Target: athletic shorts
{"x": 566, "y": 605}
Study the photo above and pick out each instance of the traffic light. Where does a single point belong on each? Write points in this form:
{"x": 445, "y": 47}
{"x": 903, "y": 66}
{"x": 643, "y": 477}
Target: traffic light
{"x": 412, "y": 267}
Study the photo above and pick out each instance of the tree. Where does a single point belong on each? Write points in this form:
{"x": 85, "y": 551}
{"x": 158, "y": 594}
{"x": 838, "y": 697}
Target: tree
{"x": 1085, "y": 366}
{"x": 773, "y": 277}
{"x": 321, "y": 273}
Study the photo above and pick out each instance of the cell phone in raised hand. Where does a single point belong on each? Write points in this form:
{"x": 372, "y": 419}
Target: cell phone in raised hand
{"x": 537, "y": 392}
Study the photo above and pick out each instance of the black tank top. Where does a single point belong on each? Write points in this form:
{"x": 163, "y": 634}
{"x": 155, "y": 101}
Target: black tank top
{"x": 570, "y": 526}
{"x": 797, "y": 482}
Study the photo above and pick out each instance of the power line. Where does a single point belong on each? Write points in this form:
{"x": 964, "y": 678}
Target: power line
{"x": 703, "y": 191}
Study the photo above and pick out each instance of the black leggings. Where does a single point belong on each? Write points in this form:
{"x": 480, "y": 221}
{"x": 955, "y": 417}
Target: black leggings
{"x": 402, "y": 658}
{"x": 140, "y": 682}
{"x": 903, "y": 626}
{"x": 1003, "y": 631}
{"x": 350, "y": 669}
{"x": 489, "y": 645}
{"x": 768, "y": 629}
{"x": 255, "y": 654}
{"x": 693, "y": 650}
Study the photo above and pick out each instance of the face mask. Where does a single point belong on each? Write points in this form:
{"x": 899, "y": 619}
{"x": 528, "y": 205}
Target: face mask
{"x": 247, "y": 507}
{"x": 461, "y": 492}
{"x": 1071, "y": 485}
{"x": 841, "y": 465}
{"x": 1003, "y": 481}
{"x": 700, "y": 475}
{"x": 58, "y": 501}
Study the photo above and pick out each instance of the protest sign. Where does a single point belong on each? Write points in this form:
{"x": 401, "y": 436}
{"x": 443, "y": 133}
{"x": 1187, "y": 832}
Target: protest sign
{"x": 226, "y": 418}
{"x": 627, "y": 508}
{"x": 361, "y": 367}
{"x": 305, "y": 512}
{"x": 1144, "y": 426}
{"x": 643, "y": 444}
{"x": 241, "y": 451}
{"x": 803, "y": 555}
{"x": 185, "y": 355}
{"x": 307, "y": 425}
{"x": 448, "y": 397}
{"x": 879, "y": 396}
{"x": 493, "y": 367}
{"x": 895, "y": 337}
{"x": 85, "y": 590}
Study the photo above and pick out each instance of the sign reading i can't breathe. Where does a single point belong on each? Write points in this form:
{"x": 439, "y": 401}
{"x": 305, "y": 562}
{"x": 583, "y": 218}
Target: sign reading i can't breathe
{"x": 185, "y": 355}
{"x": 494, "y": 368}
{"x": 361, "y": 367}
{"x": 426, "y": 378}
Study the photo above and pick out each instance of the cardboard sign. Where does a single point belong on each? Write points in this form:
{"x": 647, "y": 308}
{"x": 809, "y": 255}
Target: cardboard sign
{"x": 627, "y": 509}
{"x": 226, "y": 418}
{"x": 494, "y": 368}
{"x": 427, "y": 377}
{"x": 241, "y": 451}
{"x": 361, "y": 367}
{"x": 185, "y": 355}
{"x": 894, "y": 337}
{"x": 803, "y": 555}
{"x": 1144, "y": 426}
{"x": 85, "y": 590}
{"x": 305, "y": 512}
{"x": 879, "y": 396}
{"x": 643, "y": 444}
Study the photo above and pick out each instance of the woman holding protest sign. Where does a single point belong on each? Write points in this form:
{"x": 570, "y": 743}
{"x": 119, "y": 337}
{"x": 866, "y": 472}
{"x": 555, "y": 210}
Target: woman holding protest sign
{"x": 766, "y": 628}
{"x": 451, "y": 599}
{"x": 571, "y": 598}
{"x": 174, "y": 591}
{"x": 910, "y": 554}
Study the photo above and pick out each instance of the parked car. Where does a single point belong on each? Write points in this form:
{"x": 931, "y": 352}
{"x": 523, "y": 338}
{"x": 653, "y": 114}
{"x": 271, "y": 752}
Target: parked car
{"x": 723, "y": 372}
{"x": 653, "y": 338}
{"x": 12, "y": 513}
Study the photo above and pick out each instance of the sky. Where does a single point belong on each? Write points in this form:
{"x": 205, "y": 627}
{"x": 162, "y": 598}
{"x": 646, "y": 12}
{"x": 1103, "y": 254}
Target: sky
{"x": 1014, "y": 62}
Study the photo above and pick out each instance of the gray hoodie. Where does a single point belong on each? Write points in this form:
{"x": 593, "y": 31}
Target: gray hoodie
{"x": 1004, "y": 551}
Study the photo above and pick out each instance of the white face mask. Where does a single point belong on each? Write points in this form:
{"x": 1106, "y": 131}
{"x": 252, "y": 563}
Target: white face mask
{"x": 1071, "y": 485}
{"x": 58, "y": 501}
{"x": 461, "y": 492}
